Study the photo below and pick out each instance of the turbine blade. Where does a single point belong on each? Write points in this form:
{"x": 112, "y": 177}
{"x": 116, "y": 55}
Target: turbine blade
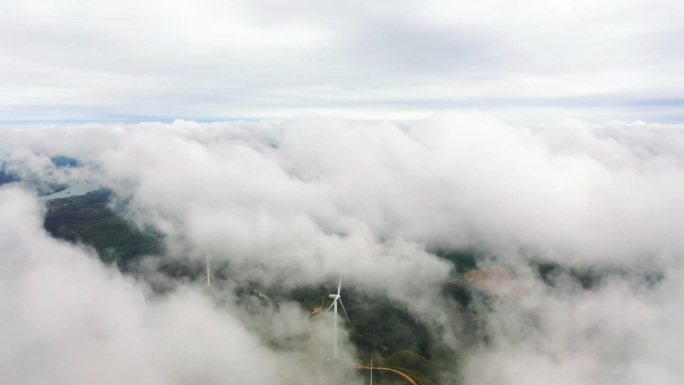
{"x": 331, "y": 305}
{"x": 345, "y": 310}
{"x": 339, "y": 286}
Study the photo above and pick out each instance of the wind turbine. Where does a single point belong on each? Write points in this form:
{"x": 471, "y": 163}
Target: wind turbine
{"x": 208, "y": 270}
{"x": 337, "y": 297}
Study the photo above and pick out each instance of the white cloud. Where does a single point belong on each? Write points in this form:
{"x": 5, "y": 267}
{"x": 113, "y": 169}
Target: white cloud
{"x": 68, "y": 319}
{"x": 609, "y": 191}
{"x": 618, "y": 333}
{"x": 295, "y": 203}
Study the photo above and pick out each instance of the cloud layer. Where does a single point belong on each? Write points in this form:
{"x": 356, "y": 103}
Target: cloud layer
{"x": 287, "y": 204}
{"x": 68, "y": 319}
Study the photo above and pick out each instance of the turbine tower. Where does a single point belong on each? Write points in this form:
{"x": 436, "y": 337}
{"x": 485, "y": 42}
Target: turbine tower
{"x": 208, "y": 270}
{"x": 337, "y": 297}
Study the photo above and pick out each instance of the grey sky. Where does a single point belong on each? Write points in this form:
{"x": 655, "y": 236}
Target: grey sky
{"x": 214, "y": 60}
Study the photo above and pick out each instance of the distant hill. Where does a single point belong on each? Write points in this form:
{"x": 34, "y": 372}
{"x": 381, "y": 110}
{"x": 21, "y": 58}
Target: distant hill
{"x": 65, "y": 161}
{"x": 6, "y": 176}
{"x": 88, "y": 219}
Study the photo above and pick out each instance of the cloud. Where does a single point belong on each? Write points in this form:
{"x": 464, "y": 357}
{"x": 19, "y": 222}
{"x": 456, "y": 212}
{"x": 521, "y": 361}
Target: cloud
{"x": 68, "y": 319}
{"x": 256, "y": 190}
{"x": 619, "y": 333}
{"x": 287, "y": 204}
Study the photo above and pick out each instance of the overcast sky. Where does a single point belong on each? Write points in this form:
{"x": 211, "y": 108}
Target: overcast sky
{"x": 520, "y": 60}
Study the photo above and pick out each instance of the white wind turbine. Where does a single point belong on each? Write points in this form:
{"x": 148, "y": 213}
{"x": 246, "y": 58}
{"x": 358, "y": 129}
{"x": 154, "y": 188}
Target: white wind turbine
{"x": 337, "y": 297}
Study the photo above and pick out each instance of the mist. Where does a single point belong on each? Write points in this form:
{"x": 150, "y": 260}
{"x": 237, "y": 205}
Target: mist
{"x": 297, "y": 203}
